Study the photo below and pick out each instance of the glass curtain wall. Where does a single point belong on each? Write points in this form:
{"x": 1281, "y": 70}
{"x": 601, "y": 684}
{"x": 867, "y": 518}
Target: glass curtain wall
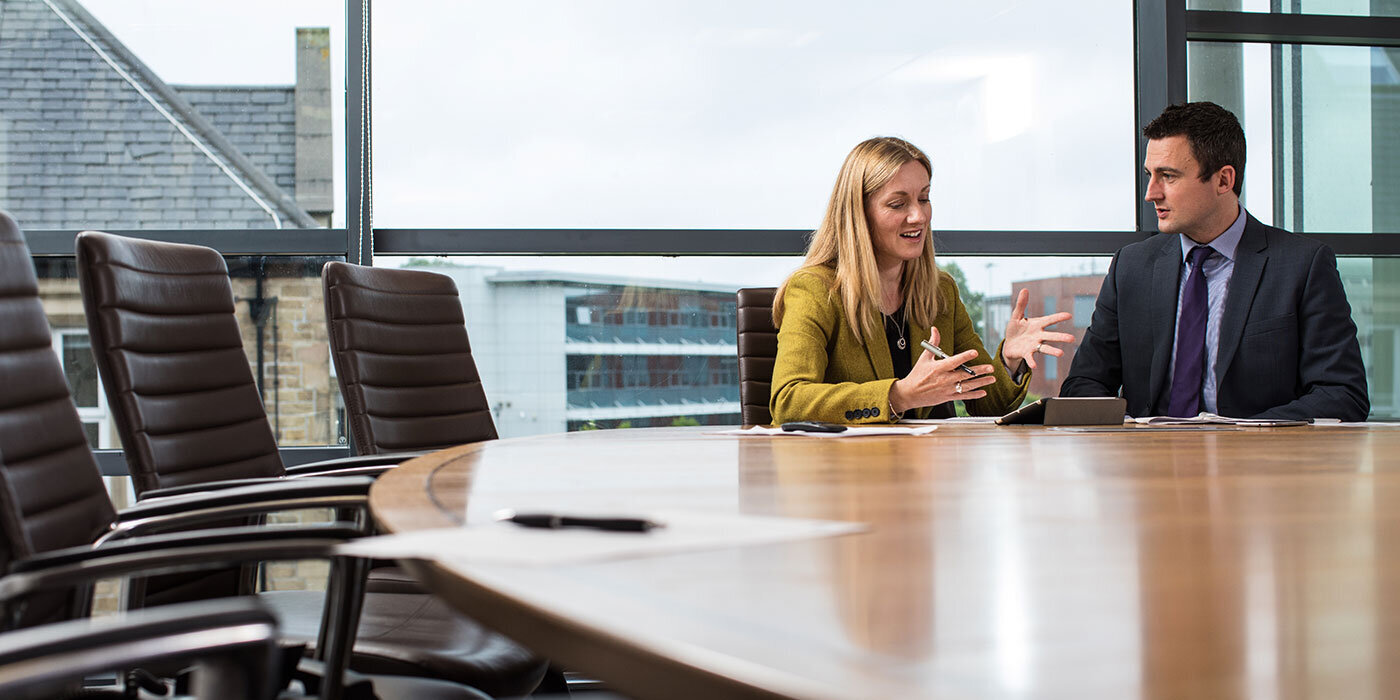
{"x": 691, "y": 116}
{"x": 1324, "y": 147}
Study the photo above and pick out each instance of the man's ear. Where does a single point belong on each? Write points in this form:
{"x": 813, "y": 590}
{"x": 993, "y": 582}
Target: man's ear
{"x": 1225, "y": 179}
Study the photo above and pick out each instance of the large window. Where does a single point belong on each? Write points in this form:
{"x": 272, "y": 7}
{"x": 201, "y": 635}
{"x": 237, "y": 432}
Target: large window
{"x": 640, "y": 114}
{"x": 703, "y": 136}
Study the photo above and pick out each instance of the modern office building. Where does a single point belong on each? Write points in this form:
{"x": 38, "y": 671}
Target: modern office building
{"x": 569, "y": 351}
{"x": 1075, "y": 294}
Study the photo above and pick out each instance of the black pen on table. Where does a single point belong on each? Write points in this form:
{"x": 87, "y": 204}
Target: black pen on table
{"x": 938, "y": 352}
{"x": 554, "y": 521}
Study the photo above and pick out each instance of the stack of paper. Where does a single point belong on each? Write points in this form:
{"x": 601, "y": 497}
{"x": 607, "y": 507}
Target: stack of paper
{"x": 1214, "y": 419}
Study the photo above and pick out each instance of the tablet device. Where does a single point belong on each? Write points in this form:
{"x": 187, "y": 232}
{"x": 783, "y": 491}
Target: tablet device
{"x": 1053, "y": 410}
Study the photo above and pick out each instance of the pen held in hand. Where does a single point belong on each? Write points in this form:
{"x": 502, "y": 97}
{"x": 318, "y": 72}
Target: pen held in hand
{"x": 554, "y": 521}
{"x": 938, "y": 352}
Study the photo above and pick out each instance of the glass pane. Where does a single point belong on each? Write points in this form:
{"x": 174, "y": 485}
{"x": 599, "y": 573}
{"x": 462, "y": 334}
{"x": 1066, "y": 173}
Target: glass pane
{"x": 1373, "y": 288}
{"x": 1083, "y": 309}
{"x": 280, "y": 311}
{"x": 80, "y": 369}
{"x": 571, "y": 343}
{"x": 91, "y": 429}
{"x": 1364, "y": 8}
{"x": 168, "y": 114}
{"x": 1325, "y": 153}
{"x": 990, "y": 287}
{"x": 737, "y": 115}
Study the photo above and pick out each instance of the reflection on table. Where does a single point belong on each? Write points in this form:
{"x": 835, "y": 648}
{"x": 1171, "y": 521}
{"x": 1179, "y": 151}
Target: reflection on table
{"x": 1000, "y": 562}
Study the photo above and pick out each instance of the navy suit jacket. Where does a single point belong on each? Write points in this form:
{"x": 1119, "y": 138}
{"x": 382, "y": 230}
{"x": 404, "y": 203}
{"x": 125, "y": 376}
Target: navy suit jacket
{"x": 1287, "y": 342}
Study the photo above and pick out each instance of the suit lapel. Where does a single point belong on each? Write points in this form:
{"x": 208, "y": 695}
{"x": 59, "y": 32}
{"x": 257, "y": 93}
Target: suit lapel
{"x": 1166, "y": 282}
{"x": 1250, "y": 256}
{"x": 878, "y": 349}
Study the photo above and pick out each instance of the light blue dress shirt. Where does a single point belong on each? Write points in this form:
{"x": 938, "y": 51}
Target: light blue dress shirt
{"x": 1218, "y": 268}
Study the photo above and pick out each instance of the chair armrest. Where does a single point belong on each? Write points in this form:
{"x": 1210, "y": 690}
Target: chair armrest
{"x": 183, "y": 489}
{"x": 165, "y": 560}
{"x": 41, "y": 661}
{"x": 387, "y": 461}
{"x": 194, "y": 538}
{"x": 284, "y": 494}
{"x": 373, "y": 471}
{"x": 339, "y": 618}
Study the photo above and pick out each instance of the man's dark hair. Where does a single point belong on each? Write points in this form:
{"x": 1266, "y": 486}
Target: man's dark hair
{"x": 1215, "y": 135}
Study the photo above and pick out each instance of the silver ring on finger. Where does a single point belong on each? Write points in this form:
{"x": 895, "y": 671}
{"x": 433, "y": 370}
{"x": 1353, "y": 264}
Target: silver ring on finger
{"x": 957, "y": 388}
{"x": 1040, "y": 348}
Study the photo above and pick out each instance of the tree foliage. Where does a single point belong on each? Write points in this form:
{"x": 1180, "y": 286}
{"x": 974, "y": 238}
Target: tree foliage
{"x": 972, "y": 300}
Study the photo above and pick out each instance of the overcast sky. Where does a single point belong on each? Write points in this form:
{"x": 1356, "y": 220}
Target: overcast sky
{"x": 703, "y": 115}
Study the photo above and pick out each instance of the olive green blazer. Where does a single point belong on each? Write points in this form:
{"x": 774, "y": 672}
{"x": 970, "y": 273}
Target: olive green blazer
{"x": 823, "y": 373}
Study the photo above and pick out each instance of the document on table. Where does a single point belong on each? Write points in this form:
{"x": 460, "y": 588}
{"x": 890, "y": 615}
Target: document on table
{"x": 849, "y": 432}
{"x": 507, "y": 543}
{"x": 955, "y": 420}
{"x": 1212, "y": 419}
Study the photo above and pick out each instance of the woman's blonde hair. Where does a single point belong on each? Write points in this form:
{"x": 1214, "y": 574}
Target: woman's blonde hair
{"x": 842, "y": 242}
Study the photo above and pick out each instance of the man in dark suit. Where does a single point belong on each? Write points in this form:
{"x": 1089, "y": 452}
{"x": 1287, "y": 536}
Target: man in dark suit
{"x": 1220, "y": 313}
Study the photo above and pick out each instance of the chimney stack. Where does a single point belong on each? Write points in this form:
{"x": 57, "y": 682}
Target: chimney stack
{"x": 315, "y": 186}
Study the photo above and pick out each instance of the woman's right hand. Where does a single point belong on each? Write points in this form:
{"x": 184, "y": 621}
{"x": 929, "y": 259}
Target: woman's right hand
{"x": 933, "y": 381}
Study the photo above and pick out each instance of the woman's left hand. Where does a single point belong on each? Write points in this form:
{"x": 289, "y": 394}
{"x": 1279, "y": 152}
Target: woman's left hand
{"x": 1027, "y": 336}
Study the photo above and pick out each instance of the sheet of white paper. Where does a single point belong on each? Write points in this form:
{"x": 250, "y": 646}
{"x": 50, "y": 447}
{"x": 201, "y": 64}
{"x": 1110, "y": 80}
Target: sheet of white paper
{"x": 954, "y": 420}
{"x": 508, "y": 543}
{"x": 850, "y": 431}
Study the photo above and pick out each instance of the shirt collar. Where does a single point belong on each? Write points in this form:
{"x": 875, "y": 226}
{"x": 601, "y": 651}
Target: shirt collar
{"x": 1224, "y": 244}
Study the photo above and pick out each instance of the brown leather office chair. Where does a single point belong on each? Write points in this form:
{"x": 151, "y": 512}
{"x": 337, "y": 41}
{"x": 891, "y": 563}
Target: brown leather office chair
{"x": 54, "y": 510}
{"x": 758, "y": 349}
{"x": 185, "y": 403}
{"x": 401, "y": 353}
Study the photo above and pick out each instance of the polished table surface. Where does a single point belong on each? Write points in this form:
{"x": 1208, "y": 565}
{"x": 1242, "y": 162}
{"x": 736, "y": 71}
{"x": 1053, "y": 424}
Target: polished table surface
{"x": 999, "y": 563}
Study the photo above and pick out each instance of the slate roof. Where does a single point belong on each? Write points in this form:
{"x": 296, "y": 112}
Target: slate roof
{"x": 91, "y": 138}
{"x": 259, "y": 121}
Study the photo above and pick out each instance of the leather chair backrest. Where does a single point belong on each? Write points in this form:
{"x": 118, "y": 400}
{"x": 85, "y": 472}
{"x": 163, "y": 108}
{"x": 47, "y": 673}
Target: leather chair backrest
{"x": 758, "y": 349}
{"x": 51, "y": 493}
{"x": 401, "y": 353}
{"x": 170, "y": 354}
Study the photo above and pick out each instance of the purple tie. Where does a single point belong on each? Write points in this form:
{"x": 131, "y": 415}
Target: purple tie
{"x": 1191, "y": 338}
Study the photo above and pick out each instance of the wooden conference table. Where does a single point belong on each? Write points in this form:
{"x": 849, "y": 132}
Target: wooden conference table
{"x": 1000, "y": 562}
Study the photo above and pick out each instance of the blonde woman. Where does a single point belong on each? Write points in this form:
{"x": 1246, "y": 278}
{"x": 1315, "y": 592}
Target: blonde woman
{"x": 851, "y": 319}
